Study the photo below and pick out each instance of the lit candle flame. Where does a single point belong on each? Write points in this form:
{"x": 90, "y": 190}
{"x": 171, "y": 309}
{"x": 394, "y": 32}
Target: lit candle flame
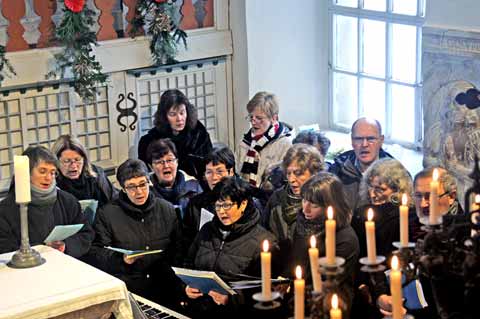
{"x": 313, "y": 241}
{"x": 330, "y": 212}
{"x": 265, "y": 245}
{"x": 435, "y": 175}
{"x": 395, "y": 263}
{"x": 298, "y": 272}
{"x": 370, "y": 214}
{"x": 335, "y": 301}
{"x": 477, "y": 199}
{"x": 404, "y": 199}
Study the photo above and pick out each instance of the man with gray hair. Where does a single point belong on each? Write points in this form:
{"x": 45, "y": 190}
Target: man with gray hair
{"x": 367, "y": 141}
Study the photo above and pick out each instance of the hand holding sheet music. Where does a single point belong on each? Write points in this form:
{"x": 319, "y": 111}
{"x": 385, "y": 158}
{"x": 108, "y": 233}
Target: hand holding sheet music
{"x": 205, "y": 281}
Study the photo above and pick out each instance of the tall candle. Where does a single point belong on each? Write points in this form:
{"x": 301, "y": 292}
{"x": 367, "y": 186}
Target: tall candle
{"x": 22, "y": 179}
{"x": 299, "y": 285}
{"x": 330, "y": 227}
{"x": 266, "y": 258}
{"x": 433, "y": 217}
{"x": 396, "y": 289}
{"x": 404, "y": 222}
{"x": 313, "y": 254}
{"x": 335, "y": 312}
{"x": 370, "y": 232}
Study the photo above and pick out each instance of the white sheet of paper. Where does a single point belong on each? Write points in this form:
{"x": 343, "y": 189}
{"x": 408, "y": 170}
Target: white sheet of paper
{"x": 205, "y": 217}
{"x": 62, "y": 232}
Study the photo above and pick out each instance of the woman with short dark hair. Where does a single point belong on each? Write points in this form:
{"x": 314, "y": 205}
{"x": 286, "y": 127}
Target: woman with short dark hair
{"x": 137, "y": 220}
{"x": 229, "y": 245}
{"x": 176, "y": 118}
{"x": 49, "y": 207}
{"x": 169, "y": 182}
{"x": 78, "y": 176}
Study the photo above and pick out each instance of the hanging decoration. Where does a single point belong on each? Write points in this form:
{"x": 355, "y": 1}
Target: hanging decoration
{"x": 6, "y": 69}
{"x": 74, "y": 34}
{"x": 157, "y": 17}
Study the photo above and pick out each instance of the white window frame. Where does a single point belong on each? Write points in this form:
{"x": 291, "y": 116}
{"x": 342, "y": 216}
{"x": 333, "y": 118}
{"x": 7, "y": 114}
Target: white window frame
{"x": 388, "y": 17}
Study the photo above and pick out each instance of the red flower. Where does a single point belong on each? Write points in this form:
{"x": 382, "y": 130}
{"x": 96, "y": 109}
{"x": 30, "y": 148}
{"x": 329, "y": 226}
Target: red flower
{"x": 75, "y": 5}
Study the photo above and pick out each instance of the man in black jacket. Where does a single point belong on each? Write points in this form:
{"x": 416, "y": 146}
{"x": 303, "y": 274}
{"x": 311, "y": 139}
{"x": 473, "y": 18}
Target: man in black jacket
{"x": 367, "y": 141}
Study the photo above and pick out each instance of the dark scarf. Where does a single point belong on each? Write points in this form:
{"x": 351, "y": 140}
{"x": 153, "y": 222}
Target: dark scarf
{"x": 256, "y": 145}
{"x": 290, "y": 203}
{"x": 42, "y": 197}
{"x": 85, "y": 187}
{"x": 172, "y": 194}
{"x": 136, "y": 211}
{"x": 309, "y": 227}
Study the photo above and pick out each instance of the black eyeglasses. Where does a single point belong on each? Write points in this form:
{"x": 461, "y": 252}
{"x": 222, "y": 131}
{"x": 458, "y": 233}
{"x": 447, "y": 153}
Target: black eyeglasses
{"x": 426, "y": 196}
{"x": 133, "y": 188}
{"x": 224, "y": 205}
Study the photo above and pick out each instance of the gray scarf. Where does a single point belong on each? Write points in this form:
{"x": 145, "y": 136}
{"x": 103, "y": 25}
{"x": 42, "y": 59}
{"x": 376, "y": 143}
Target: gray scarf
{"x": 44, "y": 197}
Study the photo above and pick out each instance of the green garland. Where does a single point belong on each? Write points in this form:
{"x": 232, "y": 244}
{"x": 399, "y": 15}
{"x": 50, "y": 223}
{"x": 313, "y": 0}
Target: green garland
{"x": 5, "y": 63}
{"x": 77, "y": 40}
{"x": 165, "y": 33}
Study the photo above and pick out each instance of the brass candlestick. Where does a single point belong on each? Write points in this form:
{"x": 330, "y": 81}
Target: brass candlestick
{"x": 25, "y": 257}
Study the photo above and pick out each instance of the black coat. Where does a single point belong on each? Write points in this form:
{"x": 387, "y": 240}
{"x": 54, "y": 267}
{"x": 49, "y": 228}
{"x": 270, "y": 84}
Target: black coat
{"x": 192, "y": 147}
{"x": 88, "y": 187}
{"x": 346, "y": 246}
{"x": 192, "y": 216}
{"x": 237, "y": 253}
{"x": 153, "y": 225}
{"x": 345, "y": 169}
{"x": 41, "y": 220}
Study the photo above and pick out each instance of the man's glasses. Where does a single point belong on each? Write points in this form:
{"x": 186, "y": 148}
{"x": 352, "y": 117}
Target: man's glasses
{"x": 426, "y": 196}
{"x": 224, "y": 205}
{"x": 70, "y": 161}
{"x": 358, "y": 140}
{"x": 165, "y": 162}
{"x": 133, "y": 188}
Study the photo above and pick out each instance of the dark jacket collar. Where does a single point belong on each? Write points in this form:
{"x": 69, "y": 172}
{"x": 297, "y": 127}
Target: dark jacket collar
{"x": 134, "y": 211}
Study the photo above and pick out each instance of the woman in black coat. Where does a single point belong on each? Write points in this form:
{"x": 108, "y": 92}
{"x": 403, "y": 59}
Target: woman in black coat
{"x": 138, "y": 220}
{"x": 319, "y": 192}
{"x": 229, "y": 245}
{"x": 78, "y": 176}
{"x": 49, "y": 207}
{"x": 176, "y": 119}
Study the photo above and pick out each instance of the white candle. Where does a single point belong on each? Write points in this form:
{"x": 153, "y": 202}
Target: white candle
{"x": 396, "y": 289}
{"x": 433, "y": 217}
{"x": 22, "y": 179}
{"x": 370, "y": 233}
{"x": 313, "y": 254}
{"x": 404, "y": 222}
{"x": 266, "y": 257}
{"x": 299, "y": 285}
{"x": 330, "y": 227}
{"x": 335, "y": 312}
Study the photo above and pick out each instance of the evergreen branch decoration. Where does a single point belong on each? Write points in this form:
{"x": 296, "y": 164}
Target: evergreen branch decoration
{"x": 77, "y": 40}
{"x": 164, "y": 31}
{"x": 5, "y": 64}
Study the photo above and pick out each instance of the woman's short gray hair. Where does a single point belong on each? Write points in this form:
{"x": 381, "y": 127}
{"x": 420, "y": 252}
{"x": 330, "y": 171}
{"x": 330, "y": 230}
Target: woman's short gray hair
{"x": 390, "y": 172}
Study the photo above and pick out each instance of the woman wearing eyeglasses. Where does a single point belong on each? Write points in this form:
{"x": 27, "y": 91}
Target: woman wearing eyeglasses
{"x": 170, "y": 183}
{"x": 301, "y": 162}
{"x": 137, "y": 220}
{"x": 176, "y": 119}
{"x": 78, "y": 175}
{"x": 267, "y": 140}
{"x": 229, "y": 245}
{"x": 49, "y": 207}
{"x": 382, "y": 187}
